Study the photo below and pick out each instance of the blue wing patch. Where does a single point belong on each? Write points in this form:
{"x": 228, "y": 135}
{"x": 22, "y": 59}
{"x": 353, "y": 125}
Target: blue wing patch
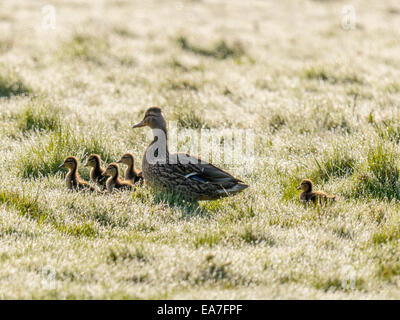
{"x": 198, "y": 179}
{"x": 193, "y": 176}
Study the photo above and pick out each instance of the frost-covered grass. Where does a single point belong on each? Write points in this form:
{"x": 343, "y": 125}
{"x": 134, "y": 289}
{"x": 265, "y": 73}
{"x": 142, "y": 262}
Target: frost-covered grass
{"x": 322, "y": 103}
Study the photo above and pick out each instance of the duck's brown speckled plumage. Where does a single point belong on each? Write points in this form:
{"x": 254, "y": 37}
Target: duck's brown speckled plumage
{"x": 96, "y": 171}
{"x": 72, "y": 179}
{"x": 114, "y": 181}
{"x": 315, "y": 197}
{"x": 131, "y": 173}
{"x": 189, "y": 176}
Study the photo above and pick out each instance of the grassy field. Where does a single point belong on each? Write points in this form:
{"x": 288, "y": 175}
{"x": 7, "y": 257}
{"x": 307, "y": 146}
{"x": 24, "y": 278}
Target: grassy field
{"x": 321, "y": 101}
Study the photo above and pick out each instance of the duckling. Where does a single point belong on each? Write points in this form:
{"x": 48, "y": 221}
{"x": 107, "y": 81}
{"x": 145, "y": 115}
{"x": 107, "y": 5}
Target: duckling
{"x": 114, "y": 181}
{"x": 131, "y": 173}
{"x": 308, "y": 195}
{"x": 96, "y": 171}
{"x": 73, "y": 180}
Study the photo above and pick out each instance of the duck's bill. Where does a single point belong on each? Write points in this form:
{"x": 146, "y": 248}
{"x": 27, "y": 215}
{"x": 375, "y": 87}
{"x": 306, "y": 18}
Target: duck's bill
{"x": 62, "y": 165}
{"x": 86, "y": 165}
{"x": 299, "y": 188}
{"x": 119, "y": 161}
{"x": 139, "y": 125}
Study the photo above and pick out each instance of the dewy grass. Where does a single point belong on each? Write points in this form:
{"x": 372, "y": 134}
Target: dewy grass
{"x": 333, "y": 165}
{"x": 39, "y": 115}
{"x": 380, "y": 178}
{"x": 11, "y": 83}
{"x": 85, "y": 47}
{"x": 43, "y": 156}
{"x": 317, "y": 103}
{"x": 30, "y": 208}
{"x": 27, "y": 206}
{"x": 388, "y": 130}
{"x": 189, "y": 119}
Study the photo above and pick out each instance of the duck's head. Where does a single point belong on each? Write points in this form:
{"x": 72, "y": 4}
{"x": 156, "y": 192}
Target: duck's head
{"x": 153, "y": 118}
{"x": 305, "y": 185}
{"x": 127, "y": 159}
{"x": 93, "y": 160}
{"x": 112, "y": 170}
{"x": 70, "y": 162}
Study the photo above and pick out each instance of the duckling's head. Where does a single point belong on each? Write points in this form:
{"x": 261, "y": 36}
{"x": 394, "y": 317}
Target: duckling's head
{"x": 70, "y": 162}
{"x": 112, "y": 170}
{"x": 153, "y": 118}
{"x": 305, "y": 185}
{"x": 93, "y": 160}
{"x": 127, "y": 159}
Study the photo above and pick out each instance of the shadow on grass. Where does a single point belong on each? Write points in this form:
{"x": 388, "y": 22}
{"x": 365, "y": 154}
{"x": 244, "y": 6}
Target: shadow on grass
{"x": 177, "y": 201}
{"x": 333, "y": 76}
{"x": 220, "y": 51}
{"x": 170, "y": 199}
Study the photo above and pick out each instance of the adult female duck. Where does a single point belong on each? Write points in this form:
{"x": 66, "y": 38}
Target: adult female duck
{"x": 189, "y": 176}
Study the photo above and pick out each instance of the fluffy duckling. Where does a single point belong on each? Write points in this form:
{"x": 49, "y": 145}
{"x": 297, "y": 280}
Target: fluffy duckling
{"x": 96, "y": 171}
{"x": 308, "y": 195}
{"x": 131, "y": 173}
{"x": 73, "y": 180}
{"x": 114, "y": 181}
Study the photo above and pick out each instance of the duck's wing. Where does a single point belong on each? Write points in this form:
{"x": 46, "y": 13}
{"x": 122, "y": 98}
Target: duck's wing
{"x": 197, "y": 169}
{"x": 139, "y": 177}
{"x": 84, "y": 185}
{"x": 102, "y": 180}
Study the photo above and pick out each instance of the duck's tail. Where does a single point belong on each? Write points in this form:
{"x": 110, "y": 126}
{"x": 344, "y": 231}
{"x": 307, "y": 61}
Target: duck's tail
{"x": 238, "y": 187}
